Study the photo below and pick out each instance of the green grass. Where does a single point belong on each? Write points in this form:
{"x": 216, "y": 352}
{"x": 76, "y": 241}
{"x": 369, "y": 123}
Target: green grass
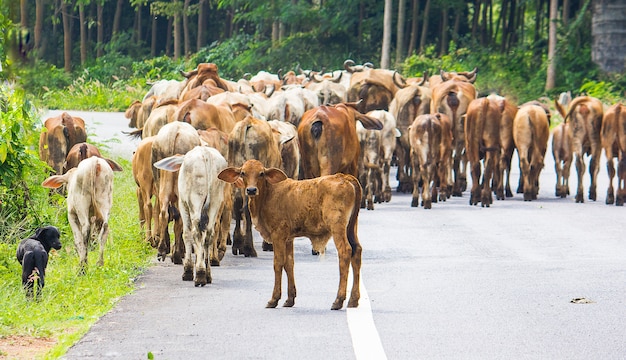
{"x": 71, "y": 304}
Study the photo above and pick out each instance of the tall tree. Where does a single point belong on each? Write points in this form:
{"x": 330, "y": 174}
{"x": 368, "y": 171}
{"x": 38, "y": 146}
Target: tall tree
{"x": 400, "y": 32}
{"x": 186, "y": 36}
{"x": 83, "y": 32}
{"x": 67, "y": 36}
{"x": 386, "y": 48}
{"x": 116, "y": 17}
{"x": 608, "y": 29}
{"x": 201, "y": 24}
{"x": 39, "y": 17}
{"x": 444, "y": 30}
{"x": 551, "y": 75}
{"x": 24, "y": 13}
{"x": 414, "y": 25}
{"x": 425, "y": 16}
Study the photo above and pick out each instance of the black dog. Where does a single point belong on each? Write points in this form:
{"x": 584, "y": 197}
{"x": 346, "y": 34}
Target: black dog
{"x": 32, "y": 253}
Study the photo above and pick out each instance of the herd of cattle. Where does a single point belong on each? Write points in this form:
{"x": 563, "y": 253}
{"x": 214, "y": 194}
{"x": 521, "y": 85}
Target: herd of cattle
{"x": 214, "y": 150}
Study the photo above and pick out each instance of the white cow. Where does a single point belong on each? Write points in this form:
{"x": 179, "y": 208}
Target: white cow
{"x": 201, "y": 202}
{"x": 89, "y": 202}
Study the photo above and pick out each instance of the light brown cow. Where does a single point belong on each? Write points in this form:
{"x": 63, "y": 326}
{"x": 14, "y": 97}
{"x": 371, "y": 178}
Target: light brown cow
{"x": 430, "y": 137}
{"x": 139, "y": 111}
{"x": 482, "y": 142}
{"x": 561, "y": 151}
{"x": 530, "y": 133}
{"x": 410, "y": 102}
{"x": 251, "y": 138}
{"x": 466, "y": 76}
{"x": 78, "y": 153}
{"x": 173, "y": 138}
{"x": 614, "y": 144}
{"x": 241, "y": 105}
{"x": 89, "y": 201}
{"x": 328, "y": 140}
{"x": 199, "y": 75}
{"x": 373, "y": 89}
{"x": 452, "y": 98}
{"x": 202, "y": 115}
{"x": 146, "y": 188}
{"x": 59, "y": 135}
{"x": 286, "y": 135}
{"x": 502, "y": 184}
{"x": 321, "y": 208}
{"x": 585, "y": 114}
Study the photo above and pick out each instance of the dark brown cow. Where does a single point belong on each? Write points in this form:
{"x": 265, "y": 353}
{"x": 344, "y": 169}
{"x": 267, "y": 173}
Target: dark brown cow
{"x": 531, "y": 133}
{"x": 251, "y": 138}
{"x": 562, "y": 153}
{"x": 78, "y": 153}
{"x": 373, "y": 89}
{"x": 452, "y": 98}
{"x": 430, "y": 137}
{"x": 614, "y": 144}
{"x": 173, "y": 138}
{"x": 199, "y": 75}
{"x": 585, "y": 114}
{"x": 410, "y": 102}
{"x": 60, "y": 134}
{"x": 321, "y": 208}
{"x": 328, "y": 139}
{"x": 482, "y": 142}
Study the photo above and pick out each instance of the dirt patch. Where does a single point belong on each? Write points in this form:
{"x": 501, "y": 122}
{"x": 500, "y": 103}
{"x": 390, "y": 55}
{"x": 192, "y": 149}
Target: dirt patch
{"x": 24, "y": 347}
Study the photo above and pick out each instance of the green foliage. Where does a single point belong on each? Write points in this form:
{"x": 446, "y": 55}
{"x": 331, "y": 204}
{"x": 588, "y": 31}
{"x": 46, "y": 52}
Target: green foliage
{"x": 21, "y": 171}
{"x": 70, "y": 304}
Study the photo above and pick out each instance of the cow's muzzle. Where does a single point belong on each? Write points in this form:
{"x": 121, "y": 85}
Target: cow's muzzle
{"x": 251, "y": 191}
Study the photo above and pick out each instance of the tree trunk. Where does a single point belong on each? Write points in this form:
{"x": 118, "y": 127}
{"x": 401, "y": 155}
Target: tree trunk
{"x": 457, "y": 24}
{"x": 608, "y": 29}
{"x": 117, "y": 17}
{"x": 551, "y": 76}
{"x": 414, "y": 25}
{"x": 201, "y": 25}
{"x": 138, "y": 31}
{"x": 83, "y": 34}
{"x": 169, "y": 35}
{"x": 39, "y": 16}
{"x": 24, "y": 14}
{"x": 400, "y": 32}
{"x": 444, "y": 31}
{"x": 100, "y": 35}
{"x": 67, "y": 37}
{"x": 424, "y": 26}
{"x": 475, "y": 16}
{"x": 153, "y": 37}
{"x": 386, "y": 48}
{"x": 565, "y": 12}
{"x": 177, "y": 36}
{"x": 186, "y": 36}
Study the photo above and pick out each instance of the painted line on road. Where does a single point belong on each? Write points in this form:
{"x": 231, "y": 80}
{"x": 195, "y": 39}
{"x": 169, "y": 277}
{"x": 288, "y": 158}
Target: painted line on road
{"x": 365, "y": 339}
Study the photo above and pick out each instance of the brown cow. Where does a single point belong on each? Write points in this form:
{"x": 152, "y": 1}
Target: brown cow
{"x": 173, "y": 138}
{"x": 251, "y": 138}
{"x": 466, "y": 76}
{"x": 410, "y": 102}
{"x": 328, "y": 140}
{"x": 373, "y": 89}
{"x": 482, "y": 141}
{"x": 89, "y": 202}
{"x": 146, "y": 188}
{"x": 60, "y": 134}
{"x": 286, "y": 135}
{"x": 561, "y": 151}
{"x": 614, "y": 144}
{"x": 530, "y": 133}
{"x": 452, "y": 98}
{"x": 585, "y": 114}
{"x": 202, "y": 115}
{"x": 430, "y": 137}
{"x": 502, "y": 185}
{"x": 78, "y": 153}
{"x": 139, "y": 111}
{"x": 321, "y": 208}
{"x": 199, "y": 75}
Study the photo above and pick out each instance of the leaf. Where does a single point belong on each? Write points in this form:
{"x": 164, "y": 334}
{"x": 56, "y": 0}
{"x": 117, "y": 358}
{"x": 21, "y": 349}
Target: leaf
{"x": 150, "y": 355}
{"x": 3, "y": 152}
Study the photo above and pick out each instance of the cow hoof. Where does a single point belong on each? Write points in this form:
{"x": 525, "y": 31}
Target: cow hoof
{"x": 271, "y": 304}
{"x": 415, "y": 202}
{"x": 353, "y": 303}
{"x": 215, "y": 262}
{"x": 592, "y": 195}
{"x": 457, "y": 193}
{"x": 427, "y": 204}
{"x": 313, "y": 252}
{"x": 177, "y": 259}
{"x": 267, "y": 246}
{"x": 370, "y": 205}
{"x": 610, "y": 199}
{"x": 187, "y": 276}
{"x": 161, "y": 256}
{"x": 579, "y": 198}
{"x": 289, "y": 303}
{"x": 338, "y": 304}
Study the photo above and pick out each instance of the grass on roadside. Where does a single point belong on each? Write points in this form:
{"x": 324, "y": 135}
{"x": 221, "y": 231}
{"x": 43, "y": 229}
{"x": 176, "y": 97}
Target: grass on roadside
{"x": 71, "y": 304}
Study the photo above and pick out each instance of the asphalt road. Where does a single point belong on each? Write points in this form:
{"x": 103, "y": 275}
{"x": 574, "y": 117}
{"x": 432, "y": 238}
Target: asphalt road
{"x": 453, "y": 282}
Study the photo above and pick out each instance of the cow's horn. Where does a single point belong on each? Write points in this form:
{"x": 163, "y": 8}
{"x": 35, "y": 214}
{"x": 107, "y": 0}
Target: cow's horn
{"x": 349, "y": 65}
{"x": 338, "y": 77}
{"x": 402, "y": 83}
{"x": 425, "y": 76}
{"x": 444, "y": 77}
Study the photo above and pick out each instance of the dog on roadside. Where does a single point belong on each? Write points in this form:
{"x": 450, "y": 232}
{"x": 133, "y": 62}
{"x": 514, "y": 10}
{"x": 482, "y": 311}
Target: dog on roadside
{"x": 32, "y": 253}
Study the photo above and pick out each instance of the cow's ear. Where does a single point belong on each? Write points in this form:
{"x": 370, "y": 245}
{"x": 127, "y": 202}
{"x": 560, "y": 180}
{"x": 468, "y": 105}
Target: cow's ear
{"x": 55, "y": 181}
{"x": 230, "y": 175}
{"x": 274, "y": 175}
{"x": 171, "y": 163}
{"x": 370, "y": 123}
{"x": 115, "y": 166}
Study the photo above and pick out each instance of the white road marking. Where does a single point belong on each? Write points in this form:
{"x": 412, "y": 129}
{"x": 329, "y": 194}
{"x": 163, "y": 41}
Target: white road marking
{"x": 365, "y": 339}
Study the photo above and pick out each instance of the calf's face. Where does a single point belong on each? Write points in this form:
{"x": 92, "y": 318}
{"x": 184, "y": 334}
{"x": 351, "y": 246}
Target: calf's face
{"x": 251, "y": 175}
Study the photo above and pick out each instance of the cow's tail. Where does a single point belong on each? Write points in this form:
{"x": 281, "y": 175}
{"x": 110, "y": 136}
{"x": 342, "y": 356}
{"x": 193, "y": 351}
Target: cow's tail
{"x": 68, "y": 130}
{"x": 92, "y": 183}
{"x": 352, "y": 223}
{"x": 204, "y": 216}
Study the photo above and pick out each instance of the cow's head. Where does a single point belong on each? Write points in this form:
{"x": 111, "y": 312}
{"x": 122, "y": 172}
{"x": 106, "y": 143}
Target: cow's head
{"x": 252, "y": 176}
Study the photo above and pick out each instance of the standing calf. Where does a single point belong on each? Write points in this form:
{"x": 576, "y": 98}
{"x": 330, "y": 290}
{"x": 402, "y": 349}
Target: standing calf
{"x": 531, "y": 132}
{"x": 89, "y": 201}
{"x": 282, "y": 209}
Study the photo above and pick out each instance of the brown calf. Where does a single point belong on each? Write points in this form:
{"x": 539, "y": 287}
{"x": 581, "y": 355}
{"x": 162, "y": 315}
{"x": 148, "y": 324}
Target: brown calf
{"x": 561, "y": 151}
{"x": 321, "y": 208}
{"x": 531, "y": 133}
{"x": 614, "y": 144}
